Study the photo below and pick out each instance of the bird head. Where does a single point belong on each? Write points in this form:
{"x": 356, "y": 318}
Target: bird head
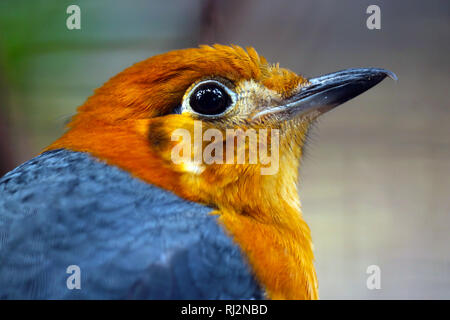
{"x": 217, "y": 125}
{"x": 221, "y": 126}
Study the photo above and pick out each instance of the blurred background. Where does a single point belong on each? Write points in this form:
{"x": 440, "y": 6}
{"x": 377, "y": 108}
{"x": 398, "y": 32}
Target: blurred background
{"x": 375, "y": 182}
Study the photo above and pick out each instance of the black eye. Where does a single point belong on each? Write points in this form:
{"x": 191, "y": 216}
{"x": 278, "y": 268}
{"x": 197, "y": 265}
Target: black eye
{"x": 210, "y": 99}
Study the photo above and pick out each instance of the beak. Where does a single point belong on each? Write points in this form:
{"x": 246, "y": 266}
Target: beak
{"x": 327, "y": 92}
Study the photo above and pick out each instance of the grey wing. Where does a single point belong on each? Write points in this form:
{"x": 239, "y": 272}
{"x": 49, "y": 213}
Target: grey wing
{"x": 130, "y": 240}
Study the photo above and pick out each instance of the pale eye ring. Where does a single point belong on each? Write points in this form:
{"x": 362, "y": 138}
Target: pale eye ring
{"x": 209, "y": 98}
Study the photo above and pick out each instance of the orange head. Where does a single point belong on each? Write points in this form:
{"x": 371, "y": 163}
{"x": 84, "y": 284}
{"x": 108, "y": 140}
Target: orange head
{"x": 221, "y": 126}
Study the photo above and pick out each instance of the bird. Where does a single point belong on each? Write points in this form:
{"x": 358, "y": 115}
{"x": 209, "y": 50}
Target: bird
{"x": 109, "y": 198}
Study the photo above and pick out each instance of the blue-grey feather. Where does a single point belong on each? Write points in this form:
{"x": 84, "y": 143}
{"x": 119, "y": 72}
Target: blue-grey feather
{"x": 131, "y": 240}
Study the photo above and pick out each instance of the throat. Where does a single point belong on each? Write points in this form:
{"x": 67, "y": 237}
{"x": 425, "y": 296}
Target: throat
{"x": 281, "y": 256}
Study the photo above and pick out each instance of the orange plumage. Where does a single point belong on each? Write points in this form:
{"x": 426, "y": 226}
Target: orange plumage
{"x": 128, "y": 123}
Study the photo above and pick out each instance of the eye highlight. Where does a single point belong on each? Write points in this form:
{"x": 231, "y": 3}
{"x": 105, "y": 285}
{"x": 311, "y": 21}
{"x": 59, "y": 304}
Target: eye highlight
{"x": 209, "y": 98}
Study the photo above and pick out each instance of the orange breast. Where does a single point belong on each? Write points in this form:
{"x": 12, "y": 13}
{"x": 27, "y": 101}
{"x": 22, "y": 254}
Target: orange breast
{"x": 281, "y": 259}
